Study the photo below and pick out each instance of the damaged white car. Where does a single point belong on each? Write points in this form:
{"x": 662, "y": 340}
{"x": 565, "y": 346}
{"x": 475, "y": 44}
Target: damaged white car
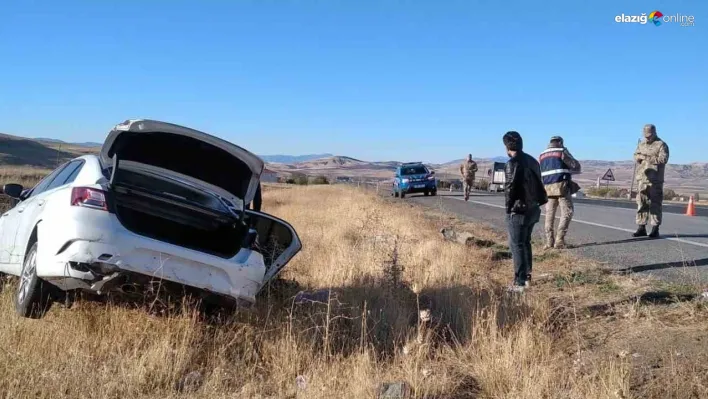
{"x": 161, "y": 204}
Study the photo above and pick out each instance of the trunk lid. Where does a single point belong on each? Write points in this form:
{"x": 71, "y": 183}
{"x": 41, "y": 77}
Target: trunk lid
{"x": 188, "y": 152}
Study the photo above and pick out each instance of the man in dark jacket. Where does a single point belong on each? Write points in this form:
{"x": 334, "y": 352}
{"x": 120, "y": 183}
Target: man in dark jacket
{"x": 525, "y": 195}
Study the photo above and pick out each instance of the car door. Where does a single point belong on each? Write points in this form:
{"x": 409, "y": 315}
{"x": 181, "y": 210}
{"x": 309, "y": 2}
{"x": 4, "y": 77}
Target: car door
{"x": 33, "y": 210}
{"x": 11, "y": 220}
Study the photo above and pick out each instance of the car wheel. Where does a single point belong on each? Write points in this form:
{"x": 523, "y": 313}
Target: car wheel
{"x": 426, "y": 193}
{"x": 434, "y": 192}
{"x": 403, "y": 195}
{"x": 33, "y": 296}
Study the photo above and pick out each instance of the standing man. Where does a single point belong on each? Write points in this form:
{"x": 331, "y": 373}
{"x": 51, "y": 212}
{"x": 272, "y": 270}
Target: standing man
{"x": 525, "y": 195}
{"x": 467, "y": 170}
{"x": 651, "y": 156}
{"x": 557, "y": 166}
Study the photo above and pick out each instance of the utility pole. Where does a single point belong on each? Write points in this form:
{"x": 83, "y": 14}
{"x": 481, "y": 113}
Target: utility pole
{"x": 634, "y": 174}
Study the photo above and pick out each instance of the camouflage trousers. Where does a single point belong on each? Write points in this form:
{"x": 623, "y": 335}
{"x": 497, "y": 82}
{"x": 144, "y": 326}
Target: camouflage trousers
{"x": 566, "y": 206}
{"x": 649, "y": 200}
{"x": 467, "y": 185}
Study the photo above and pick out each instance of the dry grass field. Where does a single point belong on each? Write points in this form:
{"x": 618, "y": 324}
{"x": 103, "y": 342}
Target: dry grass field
{"x": 578, "y": 333}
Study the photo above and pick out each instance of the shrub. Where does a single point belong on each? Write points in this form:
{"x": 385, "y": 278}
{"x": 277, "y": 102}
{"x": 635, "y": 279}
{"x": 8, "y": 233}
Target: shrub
{"x": 320, "y": 180}
{"x": 607, "y": 192}
{"x": 444, "y": 184}
{"x": 481, "y": 184}
{"x": 299, "y": 179}
{"x": 669, "y": 194}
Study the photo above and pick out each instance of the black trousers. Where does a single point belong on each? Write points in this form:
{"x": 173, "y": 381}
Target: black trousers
{"x": 520, "y": 229}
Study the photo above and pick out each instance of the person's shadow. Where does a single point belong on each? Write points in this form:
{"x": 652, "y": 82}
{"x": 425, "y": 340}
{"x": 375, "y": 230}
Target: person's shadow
{"x": 662, "y": 266}
{"x": 638, "y": 239}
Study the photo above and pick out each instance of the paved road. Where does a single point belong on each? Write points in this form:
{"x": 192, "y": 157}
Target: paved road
{"x": 680, "y": 209}
{"x": 603, "y": 232}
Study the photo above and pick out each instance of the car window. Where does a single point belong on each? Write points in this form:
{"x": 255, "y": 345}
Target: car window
{"x": 42, "y": 185}
{"x": 62, "y": 177}
{"x": 414, "y": 170}
{"x": 73, "y": 175}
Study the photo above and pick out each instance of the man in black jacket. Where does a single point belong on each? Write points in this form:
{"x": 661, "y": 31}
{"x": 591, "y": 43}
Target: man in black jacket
{"x": 525, "y": 195}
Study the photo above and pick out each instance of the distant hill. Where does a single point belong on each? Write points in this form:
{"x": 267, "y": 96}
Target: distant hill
{"x": 292, "y": 158}
{"x": 20, "y": 151}
{"x": 48, "y": 153}
{"x": 478, "y": 160}
{"x": 55, "y": 141}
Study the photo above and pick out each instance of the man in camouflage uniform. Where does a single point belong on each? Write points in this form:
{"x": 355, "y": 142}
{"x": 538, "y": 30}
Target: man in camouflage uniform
{"x": 557, "y": 166}
{"x": 651, "y": 156}
{"x": 467, "y": 170}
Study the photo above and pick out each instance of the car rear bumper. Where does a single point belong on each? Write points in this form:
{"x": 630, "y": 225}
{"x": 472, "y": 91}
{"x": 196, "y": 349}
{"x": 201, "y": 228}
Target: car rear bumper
{"x": 84, "y": 255}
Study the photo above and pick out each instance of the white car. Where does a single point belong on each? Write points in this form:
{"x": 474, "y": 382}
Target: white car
{"x": 160, "y": 204}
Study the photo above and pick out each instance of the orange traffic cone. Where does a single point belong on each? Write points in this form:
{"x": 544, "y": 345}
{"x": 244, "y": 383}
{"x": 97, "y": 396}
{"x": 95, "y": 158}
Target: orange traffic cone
{"x": 691, "y": 210}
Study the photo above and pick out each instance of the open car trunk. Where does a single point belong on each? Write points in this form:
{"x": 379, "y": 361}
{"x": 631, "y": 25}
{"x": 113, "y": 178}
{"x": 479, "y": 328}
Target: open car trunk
{"x": 174, "y": 212}
{"x": 220, "y": 166}
{"x": 188, "y": 188}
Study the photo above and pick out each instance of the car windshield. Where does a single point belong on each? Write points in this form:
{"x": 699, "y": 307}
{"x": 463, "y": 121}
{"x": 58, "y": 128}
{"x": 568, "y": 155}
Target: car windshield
{"x": 414, "y": 170}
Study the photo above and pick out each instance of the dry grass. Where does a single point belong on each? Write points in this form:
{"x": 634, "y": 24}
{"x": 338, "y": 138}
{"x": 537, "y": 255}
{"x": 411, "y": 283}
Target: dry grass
{"x": 572, "y": 336}
{"x": 26, "y": 175}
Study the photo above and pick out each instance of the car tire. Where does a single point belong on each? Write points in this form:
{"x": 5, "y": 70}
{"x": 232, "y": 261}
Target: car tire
{"x": 427, "y": 193}
{"x": 403, "y": 195}
{"x": 33, "y": 296}
{"x": 434, "y": 193}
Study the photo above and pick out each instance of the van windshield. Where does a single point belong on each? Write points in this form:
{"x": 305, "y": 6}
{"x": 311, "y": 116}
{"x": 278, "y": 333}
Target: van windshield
{"x": 414, "y": 170}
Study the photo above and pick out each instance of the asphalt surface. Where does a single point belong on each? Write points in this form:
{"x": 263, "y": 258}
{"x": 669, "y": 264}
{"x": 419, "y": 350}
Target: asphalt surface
{"x": 680, "y": 209}
{"x": 602, "y": 230}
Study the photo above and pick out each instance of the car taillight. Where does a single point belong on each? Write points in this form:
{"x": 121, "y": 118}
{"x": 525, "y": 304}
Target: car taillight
{"x": 89, "y": 198}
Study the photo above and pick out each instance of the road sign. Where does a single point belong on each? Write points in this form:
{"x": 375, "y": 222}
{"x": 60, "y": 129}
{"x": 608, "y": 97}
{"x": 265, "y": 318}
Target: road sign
{"x": 609, "y": 176}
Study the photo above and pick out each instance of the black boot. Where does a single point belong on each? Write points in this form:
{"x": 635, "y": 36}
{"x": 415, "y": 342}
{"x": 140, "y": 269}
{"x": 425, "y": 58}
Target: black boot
{"x": 641, "y": 231}
{"x": 654, "y": 232}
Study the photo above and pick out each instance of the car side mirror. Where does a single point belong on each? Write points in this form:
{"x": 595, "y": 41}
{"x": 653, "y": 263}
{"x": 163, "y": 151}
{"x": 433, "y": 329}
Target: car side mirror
{"x": 432, "y": 172}
{"x": 13, "y": 190}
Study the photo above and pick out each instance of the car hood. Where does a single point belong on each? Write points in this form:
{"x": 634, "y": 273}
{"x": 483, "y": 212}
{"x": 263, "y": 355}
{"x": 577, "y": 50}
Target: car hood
{"x": 186, "y": 151}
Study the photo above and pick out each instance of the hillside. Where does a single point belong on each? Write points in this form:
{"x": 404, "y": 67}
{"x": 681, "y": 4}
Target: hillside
{"x": 289, "y": 159}
{"x": 339, "y": 166}
{"x": 20, "y": 151}
{"x": 48, "y": 153}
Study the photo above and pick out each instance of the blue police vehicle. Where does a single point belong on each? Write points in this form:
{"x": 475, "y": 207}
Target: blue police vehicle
{"x": 414, "y": 177}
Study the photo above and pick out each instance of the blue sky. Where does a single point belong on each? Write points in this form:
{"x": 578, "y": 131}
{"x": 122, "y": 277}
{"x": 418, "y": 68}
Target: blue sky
{"x": 377, "y": 80}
